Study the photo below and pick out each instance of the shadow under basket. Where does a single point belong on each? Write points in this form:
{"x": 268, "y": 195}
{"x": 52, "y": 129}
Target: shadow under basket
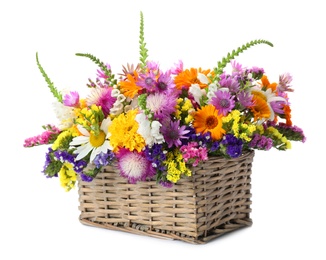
{"x": 215, "y": 200}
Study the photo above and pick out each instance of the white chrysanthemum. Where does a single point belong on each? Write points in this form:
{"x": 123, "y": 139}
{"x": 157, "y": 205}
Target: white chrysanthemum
{"x": 88, "y": 142}
{"x": 65, "y": 115}
{"x": 149, "y": 131}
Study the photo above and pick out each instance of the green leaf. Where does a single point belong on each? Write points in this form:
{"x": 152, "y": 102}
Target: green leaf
{"x": 51, "y": 86}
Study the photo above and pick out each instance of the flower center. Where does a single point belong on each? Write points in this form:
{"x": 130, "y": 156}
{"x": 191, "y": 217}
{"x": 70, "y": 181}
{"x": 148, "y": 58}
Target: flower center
{"x": 162, "y": 86}
{"x": 97, "y": 140}
{"x": 224, "y": 103}
{"x": 211, "y": 122}
{"x": 173, "y": 135}
{"x": 148, "y": 81}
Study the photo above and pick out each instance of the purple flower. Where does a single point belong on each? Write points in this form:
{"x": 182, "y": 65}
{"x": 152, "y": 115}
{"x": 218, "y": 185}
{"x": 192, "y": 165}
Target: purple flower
{"x": 172, "y": 132}
{"x": 223, "y": 102}
{"x": 147, "y": 81}
{"x": 103, "y": 159}
{"x": 233, "y": 145}
{"x": 261, "y": 142}
{"x": 164, "y": 82}
{"x": 230, "y": 83}
{"x": 245, "y": 99}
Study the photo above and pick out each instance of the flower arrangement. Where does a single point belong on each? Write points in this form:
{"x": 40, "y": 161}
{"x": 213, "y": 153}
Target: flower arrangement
{"x": 157, "y": 124}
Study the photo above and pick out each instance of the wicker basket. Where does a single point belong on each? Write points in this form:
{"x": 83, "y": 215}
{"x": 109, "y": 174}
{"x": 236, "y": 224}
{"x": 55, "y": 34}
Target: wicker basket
{"x": 213, "y": 201}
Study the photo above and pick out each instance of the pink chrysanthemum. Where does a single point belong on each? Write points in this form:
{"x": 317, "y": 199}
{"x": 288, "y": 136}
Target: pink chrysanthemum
{"x": 71, "y": 99}
{"x": 134, "y": 166}
{"x": 101, "y": 97}
{"x": 162, "y": 105}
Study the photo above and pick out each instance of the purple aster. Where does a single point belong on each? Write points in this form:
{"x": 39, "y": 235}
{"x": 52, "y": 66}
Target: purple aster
{"x": 173, "y": 132}
{"x": 278, "y": 106}
{"x": 223, "y": 102}
{"x": 152, "y": 66}
{"x": 236, "y": 67}
{"x": 245, "y": 99}
{"x": 256, "y": 72}
{"x": 71, "y": 99}
{"x": 147, "y": 81}
{"x": 229, "y": 82}
{"x": 164, "y": 82}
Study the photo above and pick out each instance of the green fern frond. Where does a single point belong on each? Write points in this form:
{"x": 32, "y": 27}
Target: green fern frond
{"x": 142, "y": 45}
{"x": 102, "y": 66}
{"x": 230, "y": 56}
{"x": 51, "y": 86}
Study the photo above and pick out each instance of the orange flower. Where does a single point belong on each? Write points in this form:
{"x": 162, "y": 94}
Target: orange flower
{"x": 266, "y": 84}
{"x": 287, "y": 113}
{"x": 188, "y": 77}
{"x": 207, "y": 119}
{"x": 129, "y": 87}
{"x": 260, "y": 109}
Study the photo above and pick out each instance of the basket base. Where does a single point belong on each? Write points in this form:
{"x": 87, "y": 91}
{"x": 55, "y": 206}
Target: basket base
{"x": 163, "y": 234}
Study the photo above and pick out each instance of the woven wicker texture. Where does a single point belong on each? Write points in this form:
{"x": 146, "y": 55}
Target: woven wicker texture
{"x": 213, "y": 201}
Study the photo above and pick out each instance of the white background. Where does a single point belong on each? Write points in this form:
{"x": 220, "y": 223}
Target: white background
{"x": 38, "y": 220}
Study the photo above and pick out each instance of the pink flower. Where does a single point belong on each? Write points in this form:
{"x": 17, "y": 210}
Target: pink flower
{"x": 71, "y": 99}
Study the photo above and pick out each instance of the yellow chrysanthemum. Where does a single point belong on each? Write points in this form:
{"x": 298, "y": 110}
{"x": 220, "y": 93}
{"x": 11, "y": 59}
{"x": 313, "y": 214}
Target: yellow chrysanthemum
{"x": 123, "y": 132}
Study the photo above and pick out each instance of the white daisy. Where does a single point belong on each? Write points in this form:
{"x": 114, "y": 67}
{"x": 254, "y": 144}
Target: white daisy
{"x": 89, "y": 142}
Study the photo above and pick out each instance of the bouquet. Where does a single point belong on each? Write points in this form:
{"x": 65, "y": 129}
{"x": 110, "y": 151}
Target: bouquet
{"x": 156, "y": 124}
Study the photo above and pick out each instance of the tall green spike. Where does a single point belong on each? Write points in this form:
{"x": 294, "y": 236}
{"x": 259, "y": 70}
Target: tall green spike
{"x": 230, "y": 56}
{"x": 142, "y": 45}
{"x": 51, "y": 86}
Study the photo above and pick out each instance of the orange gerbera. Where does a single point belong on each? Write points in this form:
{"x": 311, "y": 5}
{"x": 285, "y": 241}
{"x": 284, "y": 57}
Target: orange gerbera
{"x": 266, "y": 84}
{"x": 261, "y": 108}
{"x": 207, "y": 119}
{"x": 188, "y": 77}
{"x": 128, "y": 87}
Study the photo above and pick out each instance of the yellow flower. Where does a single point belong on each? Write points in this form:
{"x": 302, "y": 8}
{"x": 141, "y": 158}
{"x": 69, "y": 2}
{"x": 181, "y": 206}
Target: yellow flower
{"x": 123, "y": 132}
{"x": 68, "y": 176}
{"x": 63, "y": 136}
